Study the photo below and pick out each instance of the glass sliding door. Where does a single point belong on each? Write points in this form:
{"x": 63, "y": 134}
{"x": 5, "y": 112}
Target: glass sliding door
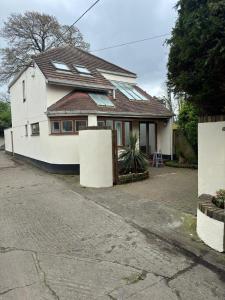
{"x": 118, "y": 128}
{"x": 147, "y": 138}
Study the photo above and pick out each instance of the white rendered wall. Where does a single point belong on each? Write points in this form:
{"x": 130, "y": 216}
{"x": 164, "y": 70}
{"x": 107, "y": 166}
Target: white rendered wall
{"x": 45, "y": 147}
{"x": 95, "y": 148}
{"x": 165, "y": 137}
{"x": 119, "y": 78}
{"x": 34, "y": 108}
{"x": 55, "y": 93}
{"x": 210, "y": 231}
{"x": 211, "y": 157}
{"x": 92, "y": 120}
{"x": 8, "y": 140}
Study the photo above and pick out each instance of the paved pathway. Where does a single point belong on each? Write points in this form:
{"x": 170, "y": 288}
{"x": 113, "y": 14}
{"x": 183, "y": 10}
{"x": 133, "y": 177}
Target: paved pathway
{"x": 57, "y": 244}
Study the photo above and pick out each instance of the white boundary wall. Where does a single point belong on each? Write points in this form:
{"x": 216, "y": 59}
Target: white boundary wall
{"x": 211, "y": 157}
{"x": 96, "y": 167}
{"x": 211, "y": 231}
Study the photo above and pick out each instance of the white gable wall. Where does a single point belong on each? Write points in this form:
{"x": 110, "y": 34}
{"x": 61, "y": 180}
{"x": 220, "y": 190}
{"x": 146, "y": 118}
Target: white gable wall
{"x": 55, "y": 93}
{"x": 45, "y": 147}
{"x": 119, "y": 78}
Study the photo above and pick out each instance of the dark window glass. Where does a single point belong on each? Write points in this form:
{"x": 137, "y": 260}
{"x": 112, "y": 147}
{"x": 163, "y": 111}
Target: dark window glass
{"x": 101, "y": 123}
{"x": 67, "y": 126}
{"x": 23, "y": 87}
{"x": 35, "y": 130}
{"x": 109, "y": 123}
{"x": 26, "y": 130}
{"x": 55, "y": 126}
{"x": 81, "y": 124}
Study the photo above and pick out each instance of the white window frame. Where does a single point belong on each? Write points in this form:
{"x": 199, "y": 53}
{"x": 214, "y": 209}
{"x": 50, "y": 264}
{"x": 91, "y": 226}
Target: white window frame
{"x": 52, "y": 129}
{"x": 66, "y": 69}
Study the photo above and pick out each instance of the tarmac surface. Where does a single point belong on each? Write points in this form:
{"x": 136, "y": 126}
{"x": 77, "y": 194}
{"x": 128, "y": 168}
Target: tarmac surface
{"x": 61, "y": 241}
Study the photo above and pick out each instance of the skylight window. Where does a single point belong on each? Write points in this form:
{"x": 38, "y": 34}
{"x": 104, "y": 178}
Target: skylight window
{"x": 101, "y": 100}
{"x": 60, "y": 66}
{"x": 128, "y": 90}
{"x": 82, "y": 69}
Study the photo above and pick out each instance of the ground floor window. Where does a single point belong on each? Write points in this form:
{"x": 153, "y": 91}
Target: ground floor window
{"x": 55, "y": 126}
{"x": 35, "y": 130}
{"x": 67, "y": 126}
{"x": 123, "y": 129}
{"x": 118, "y": 128}
{"x": 80, "y": 124}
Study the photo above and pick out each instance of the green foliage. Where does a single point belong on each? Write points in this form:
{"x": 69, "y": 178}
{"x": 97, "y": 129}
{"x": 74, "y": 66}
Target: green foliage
{"x": 5, "y": 115}
{"x": 219, "y": 200}
{"x": 132, "y": 159}
{"x": 196, "y": 64}
{"x": 188, "y": 123}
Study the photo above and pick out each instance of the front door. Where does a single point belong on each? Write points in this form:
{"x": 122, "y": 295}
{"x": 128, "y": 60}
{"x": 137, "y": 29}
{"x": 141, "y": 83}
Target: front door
{"x": 147, "y": 137}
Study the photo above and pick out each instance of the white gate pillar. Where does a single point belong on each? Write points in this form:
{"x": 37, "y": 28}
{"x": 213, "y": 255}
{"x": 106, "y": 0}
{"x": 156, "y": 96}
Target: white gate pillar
{"x": 96, "y": 159}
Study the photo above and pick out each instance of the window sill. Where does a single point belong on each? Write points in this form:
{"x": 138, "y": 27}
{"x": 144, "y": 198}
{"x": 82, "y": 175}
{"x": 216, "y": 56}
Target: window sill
{"x": 35, "y": 134}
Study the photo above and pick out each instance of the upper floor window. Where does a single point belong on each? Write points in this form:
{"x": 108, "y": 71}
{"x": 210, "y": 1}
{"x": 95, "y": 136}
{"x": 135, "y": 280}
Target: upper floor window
{"x": 35, "y": 130}
{"x": 26, "y": 130}
{"x": 82, "y": 69}
{"x": 60, "y": 66}
{"x": 24, "y": 92}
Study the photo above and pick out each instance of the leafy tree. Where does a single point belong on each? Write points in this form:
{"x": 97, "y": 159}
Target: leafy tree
{"x": 5, "y": 113}
{"x": 196, "y": 65}
{"x": 188, "y": 123}
{"x": 29, "y": 34}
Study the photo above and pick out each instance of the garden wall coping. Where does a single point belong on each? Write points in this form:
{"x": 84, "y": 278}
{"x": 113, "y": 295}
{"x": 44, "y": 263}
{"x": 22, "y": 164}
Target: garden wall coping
{"x": 206, "y": 206}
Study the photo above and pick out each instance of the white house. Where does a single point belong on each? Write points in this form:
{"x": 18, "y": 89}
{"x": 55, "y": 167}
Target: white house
{"x": 66, "y": 88}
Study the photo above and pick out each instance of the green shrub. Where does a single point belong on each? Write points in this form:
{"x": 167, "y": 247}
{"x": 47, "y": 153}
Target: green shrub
{"x": 132, "y": 159}
{"x": 219, "y": 199}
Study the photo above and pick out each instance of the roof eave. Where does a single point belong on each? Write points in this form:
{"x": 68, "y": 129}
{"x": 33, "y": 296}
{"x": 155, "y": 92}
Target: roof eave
{"x": 80, "y": 85}
{"x": 132, "y": 75}
{"x": 108, "y": 113}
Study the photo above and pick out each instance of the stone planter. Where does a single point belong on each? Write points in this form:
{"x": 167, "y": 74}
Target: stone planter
{"x": 132, "y": 177}
{"x": 211, "y": 223}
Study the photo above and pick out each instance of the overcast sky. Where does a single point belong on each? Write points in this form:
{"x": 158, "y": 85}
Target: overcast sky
{"x": 111, "y": 22}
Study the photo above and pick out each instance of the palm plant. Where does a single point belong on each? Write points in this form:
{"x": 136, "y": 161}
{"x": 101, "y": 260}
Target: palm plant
{"x": 132, "y": 159}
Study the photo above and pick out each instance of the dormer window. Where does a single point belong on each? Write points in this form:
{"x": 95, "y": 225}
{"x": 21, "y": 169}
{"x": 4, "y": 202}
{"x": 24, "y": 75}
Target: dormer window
{"x": 60, "y": 66}
{"x": 82, "y": 70}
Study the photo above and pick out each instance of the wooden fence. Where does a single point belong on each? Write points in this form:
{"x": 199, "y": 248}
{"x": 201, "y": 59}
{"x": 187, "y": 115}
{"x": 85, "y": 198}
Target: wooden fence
{"x": 215, "y": 118}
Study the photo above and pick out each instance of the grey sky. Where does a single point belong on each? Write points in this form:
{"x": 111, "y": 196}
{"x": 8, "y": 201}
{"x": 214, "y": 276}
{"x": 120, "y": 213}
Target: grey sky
{"x": 111, "y": 22}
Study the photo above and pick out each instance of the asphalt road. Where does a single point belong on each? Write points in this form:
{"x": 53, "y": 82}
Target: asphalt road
{"x": 57, "y": 244}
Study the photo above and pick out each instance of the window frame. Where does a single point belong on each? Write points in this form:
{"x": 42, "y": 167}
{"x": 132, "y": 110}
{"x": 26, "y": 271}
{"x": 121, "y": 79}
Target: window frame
{"x": 101, "y": 121}
{"x": 60, "y": 126}
{"x": 68, "y": 69}
{"x": 26, "y": 130}
{"x": 32, "y": 131}
{"x": 77, "y": 67}
{"x": 81, "y": 120}
{"x": 24, "y": 90}
{"x": 67, "y": 132}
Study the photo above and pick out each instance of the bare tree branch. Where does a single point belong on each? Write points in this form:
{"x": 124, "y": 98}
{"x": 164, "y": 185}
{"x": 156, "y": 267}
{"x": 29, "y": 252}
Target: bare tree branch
{"x": 29, "y": 34}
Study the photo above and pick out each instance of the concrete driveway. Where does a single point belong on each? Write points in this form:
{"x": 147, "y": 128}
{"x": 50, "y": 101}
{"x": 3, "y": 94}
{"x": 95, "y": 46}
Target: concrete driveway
{"x": 58, "y": 242}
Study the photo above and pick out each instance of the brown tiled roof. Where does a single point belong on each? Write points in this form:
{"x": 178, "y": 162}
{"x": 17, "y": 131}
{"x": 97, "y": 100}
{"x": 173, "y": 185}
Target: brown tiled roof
{"x": 74, "y": 56}
{"x": 78, "y": 102}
